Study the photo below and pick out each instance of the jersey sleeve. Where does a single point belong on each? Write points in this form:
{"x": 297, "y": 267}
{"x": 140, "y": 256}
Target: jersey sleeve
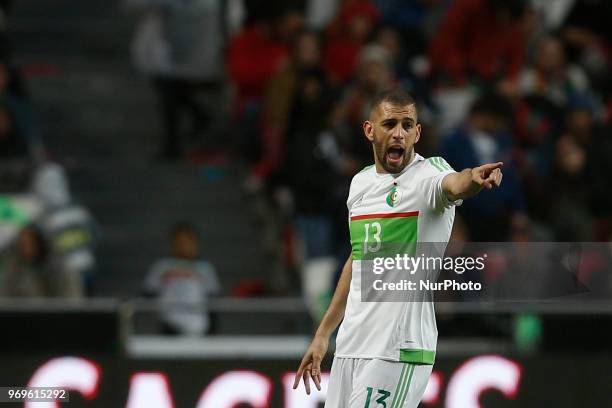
{"x": 432, "y": 185}
{"x": 353, "y": 195}
{"x": 153, "y": 282}
{"x": 209, "y": 276}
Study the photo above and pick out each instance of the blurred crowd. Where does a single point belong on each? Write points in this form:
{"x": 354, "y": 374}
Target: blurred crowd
{"x": 523, "y": 82}
{"x": 526, "y": 82}
{"x": 283, "y": 87}
{"x": 46, "y": 239}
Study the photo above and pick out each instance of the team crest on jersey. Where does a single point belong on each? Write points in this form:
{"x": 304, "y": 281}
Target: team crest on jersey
{"x": 394, "y": 197}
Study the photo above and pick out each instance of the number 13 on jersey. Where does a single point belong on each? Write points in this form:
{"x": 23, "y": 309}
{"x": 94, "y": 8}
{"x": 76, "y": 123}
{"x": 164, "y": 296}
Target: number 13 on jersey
{"x": 374, "y": 235}
{"x": 375, "y": 229}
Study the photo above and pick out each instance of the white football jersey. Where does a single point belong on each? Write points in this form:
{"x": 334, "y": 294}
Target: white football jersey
{"x": 408, "y": 208}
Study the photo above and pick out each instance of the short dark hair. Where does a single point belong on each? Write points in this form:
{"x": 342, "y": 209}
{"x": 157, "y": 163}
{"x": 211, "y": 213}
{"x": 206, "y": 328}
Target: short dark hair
{"x": 396, "y": 97}
{"x": 183, "y": 227}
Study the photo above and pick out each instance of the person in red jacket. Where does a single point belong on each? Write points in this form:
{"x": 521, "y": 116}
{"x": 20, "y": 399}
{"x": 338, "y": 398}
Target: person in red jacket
{"x": 255, "y": 55}
{"x": 479, "y": 39}
{"x": 346, "y": 36}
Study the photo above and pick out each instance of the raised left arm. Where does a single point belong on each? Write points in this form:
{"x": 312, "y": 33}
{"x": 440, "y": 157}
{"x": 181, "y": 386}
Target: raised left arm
{"x": 469, "y": 182}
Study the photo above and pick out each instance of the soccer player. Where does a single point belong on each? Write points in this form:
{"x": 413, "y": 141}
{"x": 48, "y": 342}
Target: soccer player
{"x": 385, "y": 350}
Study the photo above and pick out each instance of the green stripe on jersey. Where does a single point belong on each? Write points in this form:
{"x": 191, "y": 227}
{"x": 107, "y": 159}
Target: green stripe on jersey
{"x": 383, "y": 237}
{"x": 439, "y": 163}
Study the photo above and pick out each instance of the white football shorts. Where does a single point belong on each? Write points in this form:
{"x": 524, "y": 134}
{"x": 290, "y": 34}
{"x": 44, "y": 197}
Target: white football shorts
{"x": 374, "y": 383}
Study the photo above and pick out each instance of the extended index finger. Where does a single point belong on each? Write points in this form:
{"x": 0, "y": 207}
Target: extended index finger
{"x": 492, "y": 166}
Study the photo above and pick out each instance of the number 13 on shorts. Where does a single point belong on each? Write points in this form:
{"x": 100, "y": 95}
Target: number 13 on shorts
{"x": 390, "y": 385}
{"x": 381, "y": 401}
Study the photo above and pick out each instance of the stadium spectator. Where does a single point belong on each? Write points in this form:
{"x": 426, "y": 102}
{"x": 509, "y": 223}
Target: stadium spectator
{"x": 588, "y": 32}
{"x": 29, "y": 271}
{"x": 13, "y": 97}
{"x": 279, "y": 98}
{"x": 479, "y": 44}
{"x": 596, "y": 138}
{"x": 304, "y": 186}
{"x": 409, "y": 69}
{"x": 15, "y": 153}
{"x": 178, "y": 44}
{"x": 479, "y": 40}
{"x": 414, "y": 21}
{"x": 24, "y": 270}
{"x": 582, "y": 137}
{"x": 320, "y": 13}
{"x": 486, "y": 137}
{"x": 311, "y": 162}
{"x": 551, "y": 77}
{"x": 257, "y": 53}
{"x": 68, "y": 227}
{"x": 12, "y": 143}
{"x": 539, "y": 122}
{"x": 389, "y": 38}
{"x": 346, "y": 37}
{"x": 183, "y": 283}
{"x": 254, "y": 56}
{"x": 551, "y": 16}
{"x": 568, "y": 188}
{"x": 374, "y": 74}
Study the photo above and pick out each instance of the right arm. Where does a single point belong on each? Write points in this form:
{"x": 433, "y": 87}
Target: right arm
{"x": 311, "y": 363}
{"x": 469, "y": 182}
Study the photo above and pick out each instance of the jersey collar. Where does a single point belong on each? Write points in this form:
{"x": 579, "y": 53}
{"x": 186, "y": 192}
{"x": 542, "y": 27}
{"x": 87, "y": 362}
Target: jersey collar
{"x": 417, "y": 158}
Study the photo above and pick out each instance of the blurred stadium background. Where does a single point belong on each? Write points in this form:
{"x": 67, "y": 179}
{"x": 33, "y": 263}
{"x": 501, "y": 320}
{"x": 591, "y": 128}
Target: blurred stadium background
{"x": 173, "y": 177}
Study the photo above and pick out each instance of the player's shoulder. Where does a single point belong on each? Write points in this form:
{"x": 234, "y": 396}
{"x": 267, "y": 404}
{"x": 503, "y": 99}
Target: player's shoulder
{"x": 205, "y": 266}
{"x": 364, "y": 175}
{"x": 360, "y": 183}
{"x": 367, "y": 169}
{"x": 161, "y": 265}
{"x": 432, "y": 166}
